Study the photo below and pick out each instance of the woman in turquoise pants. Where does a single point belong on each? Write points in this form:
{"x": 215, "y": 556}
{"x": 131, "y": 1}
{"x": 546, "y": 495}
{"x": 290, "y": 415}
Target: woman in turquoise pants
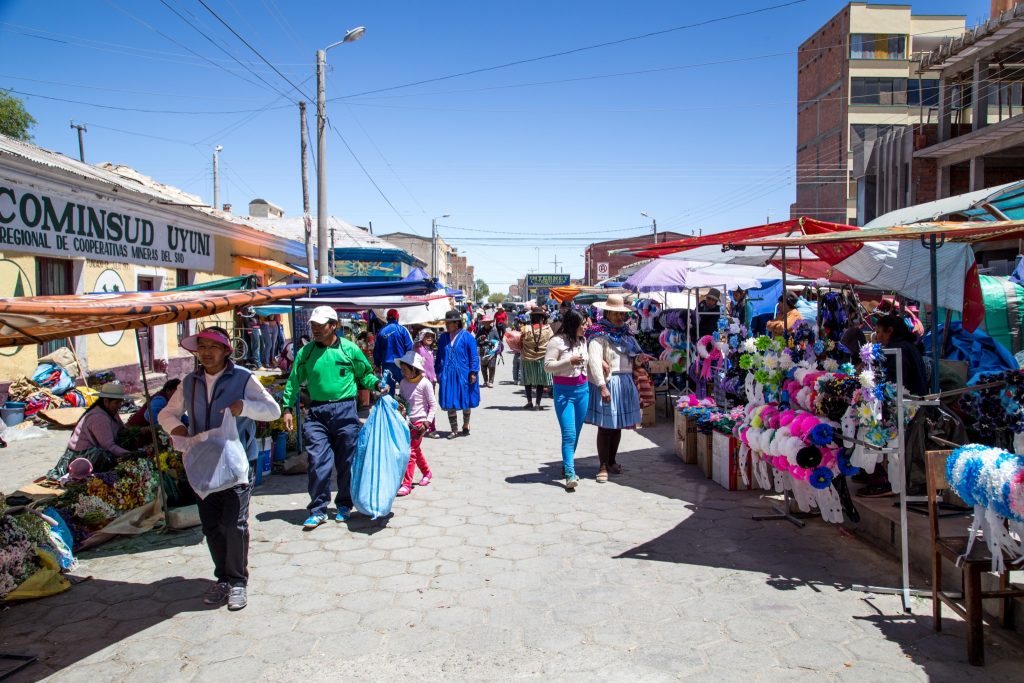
{"x": 566, "y": 359}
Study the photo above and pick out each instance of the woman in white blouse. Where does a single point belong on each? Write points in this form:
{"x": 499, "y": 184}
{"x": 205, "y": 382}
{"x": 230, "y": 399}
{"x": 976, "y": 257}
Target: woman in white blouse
{"x": 566, "y": 359}
{"x": 614, "y": 400}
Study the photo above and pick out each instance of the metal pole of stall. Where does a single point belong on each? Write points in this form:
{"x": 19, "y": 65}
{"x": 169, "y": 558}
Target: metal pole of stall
{"x": 298, "y": 411}
{"x": 932, "y": 245}
{"x": 152, "y": 428}
{"x": 782, "y": 306}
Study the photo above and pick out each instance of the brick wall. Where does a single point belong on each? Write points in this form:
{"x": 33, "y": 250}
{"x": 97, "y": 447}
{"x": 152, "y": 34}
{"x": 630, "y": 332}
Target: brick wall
{"x": 598, "y": 252}
{"x": 822, "y": 75}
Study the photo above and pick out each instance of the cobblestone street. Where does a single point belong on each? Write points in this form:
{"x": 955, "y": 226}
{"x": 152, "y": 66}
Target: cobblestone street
{"x": 495, "y": 572}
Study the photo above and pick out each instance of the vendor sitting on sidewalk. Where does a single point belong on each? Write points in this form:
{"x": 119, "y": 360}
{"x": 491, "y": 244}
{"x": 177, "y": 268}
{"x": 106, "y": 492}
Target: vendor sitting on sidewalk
{"x": 786, "y": 317}
{"x": 95, "y": 435}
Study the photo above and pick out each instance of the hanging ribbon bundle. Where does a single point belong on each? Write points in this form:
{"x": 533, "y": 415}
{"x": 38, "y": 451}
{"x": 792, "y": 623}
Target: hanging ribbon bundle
{"x": 992, "y": 480}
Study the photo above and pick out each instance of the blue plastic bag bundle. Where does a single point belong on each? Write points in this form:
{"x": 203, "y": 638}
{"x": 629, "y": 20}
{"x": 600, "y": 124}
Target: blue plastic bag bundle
{"x": 382, "y": 454}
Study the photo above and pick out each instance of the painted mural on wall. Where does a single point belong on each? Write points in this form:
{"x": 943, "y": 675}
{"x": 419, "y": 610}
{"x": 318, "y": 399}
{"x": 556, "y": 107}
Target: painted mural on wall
{"x": 368, "y": 269}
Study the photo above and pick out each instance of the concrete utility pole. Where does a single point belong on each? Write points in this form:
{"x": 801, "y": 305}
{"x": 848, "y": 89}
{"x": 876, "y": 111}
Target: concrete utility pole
{"x": 654, "y": 226}
{"x": 433, "y": 245}
{"x": 555, "y": 263}
{"x": 81, "y": 143}
{"x": 333, "y": 260}
{"x": 321, "y": 148}
{"x": 216, "y": 176}
{"x": 307, "y": 221}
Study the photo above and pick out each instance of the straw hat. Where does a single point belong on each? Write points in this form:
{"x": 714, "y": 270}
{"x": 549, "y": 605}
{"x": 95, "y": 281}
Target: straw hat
{"x": 615, "y": 302}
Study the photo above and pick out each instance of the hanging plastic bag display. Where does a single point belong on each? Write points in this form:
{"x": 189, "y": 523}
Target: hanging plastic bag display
{"x": 382, "y": 454}
{"x": 215, "y": 460}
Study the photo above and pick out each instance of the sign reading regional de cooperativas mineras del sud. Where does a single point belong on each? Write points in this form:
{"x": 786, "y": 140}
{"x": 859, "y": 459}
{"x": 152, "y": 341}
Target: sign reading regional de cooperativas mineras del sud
{"x": 98, "y": 227}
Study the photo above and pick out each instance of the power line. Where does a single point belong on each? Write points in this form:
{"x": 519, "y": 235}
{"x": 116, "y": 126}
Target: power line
{"x": 181, "y": 45}
{"x": 219, "y": 46}
{"x": 132, "y": 109}
{"x": 254, "y": 50}
{"x": 577, "y": 50}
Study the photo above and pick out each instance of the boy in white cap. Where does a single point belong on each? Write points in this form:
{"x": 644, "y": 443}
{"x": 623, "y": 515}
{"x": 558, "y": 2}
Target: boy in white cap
{"x": 333, "y": 369}
{"x": 421, "y": 406}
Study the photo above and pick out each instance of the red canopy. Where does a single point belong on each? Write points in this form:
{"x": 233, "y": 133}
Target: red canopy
{"x": 728, "y": 237}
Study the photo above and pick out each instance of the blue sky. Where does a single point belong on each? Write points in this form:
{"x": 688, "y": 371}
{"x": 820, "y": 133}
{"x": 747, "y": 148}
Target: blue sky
{"x": 696, "y": 127}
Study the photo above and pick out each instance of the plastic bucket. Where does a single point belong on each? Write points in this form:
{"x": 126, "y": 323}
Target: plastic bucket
{"x": 13, "y": 413}
{"x": 280, "y": 447}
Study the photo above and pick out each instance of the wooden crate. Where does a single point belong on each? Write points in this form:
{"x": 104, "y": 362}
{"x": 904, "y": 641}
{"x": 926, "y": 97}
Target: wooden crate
{"x": 725, "y": 468}
{"x": 704, "y": 453}
{"x": 647, "y": 416}
{"x": 686, "y": 439}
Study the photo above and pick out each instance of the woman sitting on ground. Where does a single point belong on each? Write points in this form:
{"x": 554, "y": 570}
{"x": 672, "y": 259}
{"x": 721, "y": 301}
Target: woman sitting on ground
{"x": 95, "y": 435}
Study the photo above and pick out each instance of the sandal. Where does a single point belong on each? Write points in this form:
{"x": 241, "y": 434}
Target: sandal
{"x": 615, "y": 468}
{"x": 452, "y": 435}
{"x": 602, "y": 477}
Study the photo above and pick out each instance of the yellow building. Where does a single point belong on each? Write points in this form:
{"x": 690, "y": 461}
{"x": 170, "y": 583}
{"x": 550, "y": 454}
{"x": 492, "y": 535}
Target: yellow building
{"x": 67, "y": 227}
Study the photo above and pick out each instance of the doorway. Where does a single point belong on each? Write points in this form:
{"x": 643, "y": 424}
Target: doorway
{"x": 146, "y": 284}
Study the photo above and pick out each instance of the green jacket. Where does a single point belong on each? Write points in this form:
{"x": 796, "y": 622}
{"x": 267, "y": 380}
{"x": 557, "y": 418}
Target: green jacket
{"x": 331, "y": 373}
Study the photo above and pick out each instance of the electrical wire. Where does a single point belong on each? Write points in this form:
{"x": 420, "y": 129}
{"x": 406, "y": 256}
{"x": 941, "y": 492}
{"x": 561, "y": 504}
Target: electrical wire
{"x": 577, "y": 50}
{"x": 220, "y": 47}
{"x": 253, "y": 49}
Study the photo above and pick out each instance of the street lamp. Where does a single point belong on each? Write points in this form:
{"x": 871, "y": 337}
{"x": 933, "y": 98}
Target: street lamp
{"x": 216, "y": 176}
{"x": 321, "y": 150}
{"x": 654, "y": 225}
{"x": 433, "y": 245}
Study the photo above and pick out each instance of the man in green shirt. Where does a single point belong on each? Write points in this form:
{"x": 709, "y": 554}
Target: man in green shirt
{"x": 333, "y": 370}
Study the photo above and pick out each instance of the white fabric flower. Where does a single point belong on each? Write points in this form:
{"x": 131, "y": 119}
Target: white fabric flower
{"x": 749, "y": 345}
{"x": 867, "y": 379}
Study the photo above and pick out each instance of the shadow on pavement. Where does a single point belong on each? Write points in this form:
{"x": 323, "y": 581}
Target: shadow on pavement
{"x": 65, "y": 629}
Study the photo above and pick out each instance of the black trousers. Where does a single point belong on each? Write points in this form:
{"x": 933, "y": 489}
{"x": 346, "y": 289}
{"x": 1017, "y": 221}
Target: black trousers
{"x": 225, "y": 519}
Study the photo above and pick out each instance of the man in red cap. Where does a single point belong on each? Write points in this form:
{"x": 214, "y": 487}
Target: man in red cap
{"x": 393, "y": 342}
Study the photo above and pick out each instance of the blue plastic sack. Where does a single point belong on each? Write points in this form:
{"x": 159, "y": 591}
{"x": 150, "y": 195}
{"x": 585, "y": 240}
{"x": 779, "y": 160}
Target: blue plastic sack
{"x": 382, "y": 454}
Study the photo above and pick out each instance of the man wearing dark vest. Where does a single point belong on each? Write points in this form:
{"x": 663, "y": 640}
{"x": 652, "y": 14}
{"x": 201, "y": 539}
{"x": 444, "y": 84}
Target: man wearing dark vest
{"x": 333, "y": 369}
{"x": 205, "y": 394}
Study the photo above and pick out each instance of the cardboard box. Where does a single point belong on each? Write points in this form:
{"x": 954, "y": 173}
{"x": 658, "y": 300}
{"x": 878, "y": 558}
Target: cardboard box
{"x": 686, "y": 439}
{"x": 704, "y": 453}
{"x": 647, "y": 416}
{"x": 725, "y": 465}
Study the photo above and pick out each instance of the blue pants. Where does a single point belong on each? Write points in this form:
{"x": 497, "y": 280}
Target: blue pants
{"x": 570, "y": 409}
{"x": 396, "y": 376}
{"x": 267, "y": 352}
{"x": 255, "y": 346}
{"x": 330, "y": 433}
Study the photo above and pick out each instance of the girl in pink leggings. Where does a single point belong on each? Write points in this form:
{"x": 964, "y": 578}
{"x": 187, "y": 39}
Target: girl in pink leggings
{"x": 421, "y": 403}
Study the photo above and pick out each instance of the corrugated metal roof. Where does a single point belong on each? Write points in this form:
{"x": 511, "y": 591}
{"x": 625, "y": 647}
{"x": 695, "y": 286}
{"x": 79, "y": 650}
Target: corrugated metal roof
{"x": 346, "y": 235}
{"x": 966, "y": 204}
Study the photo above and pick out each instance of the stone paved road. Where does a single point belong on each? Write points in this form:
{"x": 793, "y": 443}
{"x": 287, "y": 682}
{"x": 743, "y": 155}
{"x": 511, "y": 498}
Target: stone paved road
{"x": 495, "y": 572}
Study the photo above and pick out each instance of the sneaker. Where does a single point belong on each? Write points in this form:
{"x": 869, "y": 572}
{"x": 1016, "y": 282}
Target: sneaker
{"x": 313, "y": 521}
{"x": 452, "y": 435}
{"x": 571, "y": 482}
{"x": 425, "y": 481}
{"x": 343, "y": 515}
{"x": 237, "y": 598}
{"x": 404, "y": 490}
{"x": 216, "y": 594}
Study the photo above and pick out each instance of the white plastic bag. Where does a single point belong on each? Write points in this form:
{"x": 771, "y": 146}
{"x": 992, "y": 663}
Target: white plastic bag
{"x": 216, "y": 459}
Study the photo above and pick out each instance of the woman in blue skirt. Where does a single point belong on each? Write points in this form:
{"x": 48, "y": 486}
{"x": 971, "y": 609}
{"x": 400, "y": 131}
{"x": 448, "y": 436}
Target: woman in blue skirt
{"x": 457, "y": 366}
{"x": 614, "y": 401}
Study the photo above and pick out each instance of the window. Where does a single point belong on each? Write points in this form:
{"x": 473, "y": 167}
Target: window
{"x": 878, "y": 91}
{"x": 877, "y": 46}
{"x": 55, "y": 277}
{"x": 923, "y": 93}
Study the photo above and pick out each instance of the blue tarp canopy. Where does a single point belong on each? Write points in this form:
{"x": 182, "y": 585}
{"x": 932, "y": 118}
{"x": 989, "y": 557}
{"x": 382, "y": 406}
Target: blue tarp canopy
{"x": 350, "y": 290}
{"x": 416, "y": 274}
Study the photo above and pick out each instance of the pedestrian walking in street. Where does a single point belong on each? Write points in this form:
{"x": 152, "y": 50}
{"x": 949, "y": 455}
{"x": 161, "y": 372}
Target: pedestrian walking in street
{"x": 535, "y": 338}
{"x": 393, "y": 342}
{"x": 614, "y": 402}
{"x": 333, "y": 369}
{"x": 501, "y": 320}
{"x": 457, "y": 366}
{"x": 421, "y": 406}
{"x": 566, "y": 360}
{"x": 489, "y": 347}
{"x": 205, "y": 394}
{"x": 424, "y": 346}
